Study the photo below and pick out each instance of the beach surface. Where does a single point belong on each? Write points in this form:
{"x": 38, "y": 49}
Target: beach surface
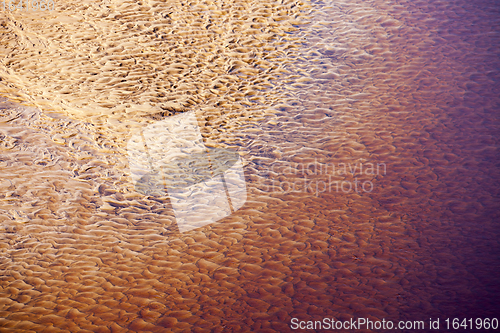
{"x": 367, "y": 133}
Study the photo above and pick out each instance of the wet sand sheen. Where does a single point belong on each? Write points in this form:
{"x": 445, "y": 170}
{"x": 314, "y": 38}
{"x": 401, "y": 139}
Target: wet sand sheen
{"x": 412, "y": 85}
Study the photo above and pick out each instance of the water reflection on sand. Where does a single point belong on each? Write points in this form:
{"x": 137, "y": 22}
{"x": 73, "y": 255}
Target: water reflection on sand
{"x": 412, "y": 85}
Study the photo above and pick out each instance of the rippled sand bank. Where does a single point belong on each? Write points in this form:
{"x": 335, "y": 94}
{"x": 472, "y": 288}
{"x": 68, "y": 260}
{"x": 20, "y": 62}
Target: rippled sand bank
{"x": 298, "y": 88}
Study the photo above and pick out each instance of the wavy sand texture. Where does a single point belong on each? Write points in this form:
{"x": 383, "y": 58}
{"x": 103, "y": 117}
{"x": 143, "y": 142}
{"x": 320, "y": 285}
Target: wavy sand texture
{"x": 411, "y": 84}
{"x": 125, "y": 58}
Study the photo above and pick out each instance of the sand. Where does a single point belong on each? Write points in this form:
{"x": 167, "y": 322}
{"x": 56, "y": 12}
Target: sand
{"x": 412, "y": 85}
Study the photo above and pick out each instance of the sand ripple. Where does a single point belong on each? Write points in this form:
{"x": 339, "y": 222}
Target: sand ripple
{"x": 410, "y": 84}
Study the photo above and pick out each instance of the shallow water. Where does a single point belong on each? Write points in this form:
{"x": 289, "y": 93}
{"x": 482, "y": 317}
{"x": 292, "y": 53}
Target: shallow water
{"x": 367, "y": 133}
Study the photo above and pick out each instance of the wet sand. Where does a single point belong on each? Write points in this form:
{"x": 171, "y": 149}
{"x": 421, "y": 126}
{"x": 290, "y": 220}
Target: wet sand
{"x": 296, "y": 88}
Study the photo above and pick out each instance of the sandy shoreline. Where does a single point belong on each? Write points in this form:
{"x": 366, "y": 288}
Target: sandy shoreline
{"x": 410, "y": 85}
